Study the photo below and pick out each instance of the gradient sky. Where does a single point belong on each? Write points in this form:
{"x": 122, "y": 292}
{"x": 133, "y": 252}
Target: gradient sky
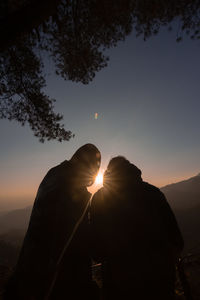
{"x": 148, "y": 105}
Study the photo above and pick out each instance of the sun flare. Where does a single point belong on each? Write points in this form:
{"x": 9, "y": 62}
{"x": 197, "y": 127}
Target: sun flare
{"x": 99, "y": 178}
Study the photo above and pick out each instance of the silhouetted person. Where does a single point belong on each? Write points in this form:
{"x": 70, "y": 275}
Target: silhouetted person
{"x": 61, "y": 199}
{"x": 135, "y": 235}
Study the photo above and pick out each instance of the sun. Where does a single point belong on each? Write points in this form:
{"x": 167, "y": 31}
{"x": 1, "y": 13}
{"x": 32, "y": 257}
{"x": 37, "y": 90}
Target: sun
{"x": 98, "y": 183}
{"x": 99, "y": 178}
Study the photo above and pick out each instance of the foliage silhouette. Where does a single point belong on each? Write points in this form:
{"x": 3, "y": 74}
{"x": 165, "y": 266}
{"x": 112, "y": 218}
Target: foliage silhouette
{"x": 75, "y": 34}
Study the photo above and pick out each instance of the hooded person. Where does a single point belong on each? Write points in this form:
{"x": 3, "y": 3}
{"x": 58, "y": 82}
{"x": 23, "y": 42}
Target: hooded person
{"x": 135, "y": 236}
{"x": 61, "y": 199}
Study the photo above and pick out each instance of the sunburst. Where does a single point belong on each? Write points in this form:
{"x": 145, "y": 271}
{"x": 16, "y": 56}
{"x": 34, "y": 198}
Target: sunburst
{"x": 99, "y": 178}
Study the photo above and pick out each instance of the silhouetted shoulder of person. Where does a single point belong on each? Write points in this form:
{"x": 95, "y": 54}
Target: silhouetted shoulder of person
{"x": 166, "y": 216}
{"x": 60, "y": 201}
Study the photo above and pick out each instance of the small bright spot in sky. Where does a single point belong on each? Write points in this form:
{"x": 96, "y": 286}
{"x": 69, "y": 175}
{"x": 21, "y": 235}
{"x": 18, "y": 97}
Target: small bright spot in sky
{"x": 99, "y": 178}
{"x": 96, "y": 116}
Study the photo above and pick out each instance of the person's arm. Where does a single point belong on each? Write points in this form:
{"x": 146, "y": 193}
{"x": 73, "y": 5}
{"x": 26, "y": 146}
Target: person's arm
{"x": 171, "y": 229}
{"x": 96, "y": 230}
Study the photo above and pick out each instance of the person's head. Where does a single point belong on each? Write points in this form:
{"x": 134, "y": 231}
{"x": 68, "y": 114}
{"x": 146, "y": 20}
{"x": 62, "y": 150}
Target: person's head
{"x": 86, "y": 160}
{"x": 120, "y": 172}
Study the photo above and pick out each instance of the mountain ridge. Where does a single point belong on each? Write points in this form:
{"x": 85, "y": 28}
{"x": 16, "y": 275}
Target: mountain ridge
{"x": 185, "y": 181}
{"x": 184, "y": 199}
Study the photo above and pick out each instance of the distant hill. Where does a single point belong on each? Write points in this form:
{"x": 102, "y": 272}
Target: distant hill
{"x": 13, "y": 226}
{"x": 184, "y": 194}
{"x": 184, "y": 199}
{"x": 15, "y": 220}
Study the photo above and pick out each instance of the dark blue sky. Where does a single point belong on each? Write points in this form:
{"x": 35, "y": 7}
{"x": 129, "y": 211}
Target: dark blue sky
{"x": 148, "y": 105}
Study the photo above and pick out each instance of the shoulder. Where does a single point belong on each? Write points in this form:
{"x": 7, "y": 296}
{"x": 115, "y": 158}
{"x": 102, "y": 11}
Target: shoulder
{"x": 154, "y": 192}
{"x": 54, "y": 179}
{"x": 151, "y": 188}
{"x": 56, "y": 173}
{"x": 62, "y": 167}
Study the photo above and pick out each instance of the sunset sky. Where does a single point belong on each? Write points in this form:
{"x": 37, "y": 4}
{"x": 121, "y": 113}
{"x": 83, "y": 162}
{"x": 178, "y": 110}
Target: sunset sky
{"x": 147, "y": 101}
